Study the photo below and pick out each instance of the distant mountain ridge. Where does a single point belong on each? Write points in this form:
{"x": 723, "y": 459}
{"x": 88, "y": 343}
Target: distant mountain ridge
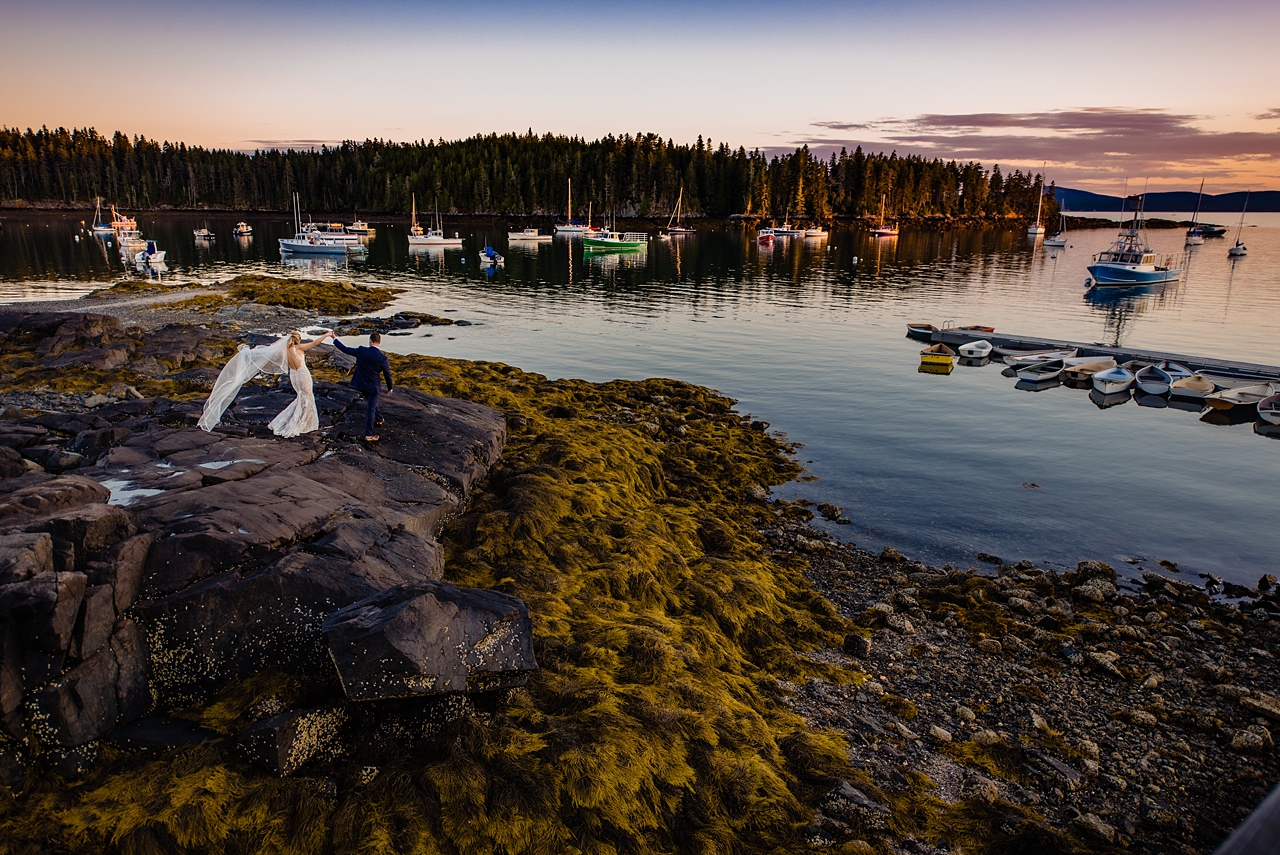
{"x": 1226, "y": 203}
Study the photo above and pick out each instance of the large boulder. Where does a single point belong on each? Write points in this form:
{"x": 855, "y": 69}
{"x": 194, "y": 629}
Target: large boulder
{"x": 38, "y": 495}
{"x": 429, "y": 637}
{"x": 457, "y": 440}
{"x": 398, "y": 496}
{"x": 282, "y": 744}
{"x": 23, "y": 555}
{"x": 121, "y": 568}
{"x": 107, "y": 689}
{"x": 235, "y": 625}
{"x": 42, "y": 612}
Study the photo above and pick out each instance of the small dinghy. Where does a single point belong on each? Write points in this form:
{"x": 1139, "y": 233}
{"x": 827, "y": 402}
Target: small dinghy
{"x": 1039, "y": 356}
{"x": 921, "y": 332}
{"x": 938, "y": 354}
{"x": 1195, "y": 386}
{"x": 1269, "y": 409}
{"x": 1176, "y": 370}
{"x": 1153, "y": 380}
{"x": 1041, "y": 372}
{"x": 1240, "y": 398}
{"x": 976, "y": 349}
{"x": 489, "y": 257}
{"x": 1113, "y": 380}
{"x": 1086, "y": 370}
{"x": 1103, "y": 401}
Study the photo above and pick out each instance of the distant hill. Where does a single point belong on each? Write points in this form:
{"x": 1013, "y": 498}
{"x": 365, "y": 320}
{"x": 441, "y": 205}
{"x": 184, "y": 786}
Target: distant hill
{"x": 1227, "y": 203}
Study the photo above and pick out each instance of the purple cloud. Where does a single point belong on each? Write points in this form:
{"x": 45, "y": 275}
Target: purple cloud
{"x": 1273, "y": 113}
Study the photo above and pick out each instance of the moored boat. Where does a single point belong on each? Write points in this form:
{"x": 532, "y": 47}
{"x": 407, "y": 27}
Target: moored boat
{"x": 1041, "y": 372}
{"x": 1113, "y": 380}
{"x": 883, "y": 229}
{"x": 976, "y": 349}
{"x": 1130, "y": 261}
{"x": 1195, "y": 237}
{"x": 921, "y": 332}
{"x": 489, "y": 258}
{"x": 313, "y": 241}
{"x": 1240, "y": 250}
{"x": 815, "y": 232}
{"x": 1153, "y": 380}
{"x": 1241, "y": 397}
{"x": 527, "y": 235}
{"x": 150, "y": 255}
{"x": 242, "y": 229}
{"x": 765, "y": 236}
{"x": 1269, "y": 409}
{"x": 675, "y": 224}
{"x": 121, "y": 223}
{"x": 1035, "y": 229}
{"x": 1195, "y": 386}
{"x": 938, "y": 354}
{"x": 99, "y": 227}
{"x": 360, "y": 227}
{"x": 1058, "y": 238}
{"x": 609, "y": 239}
{"x": 429, "y": 237}
{"x": 203, "y": 234}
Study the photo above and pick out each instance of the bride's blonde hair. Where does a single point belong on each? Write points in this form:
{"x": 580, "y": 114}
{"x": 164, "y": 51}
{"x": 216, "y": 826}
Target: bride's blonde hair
{"x": 295, "y": 338}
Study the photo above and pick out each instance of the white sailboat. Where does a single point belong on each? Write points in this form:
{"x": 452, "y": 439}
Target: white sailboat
{"x": 313, "y": 241}
{"x": 673, "y": 224}
{"x": 1240, "y": 250}
{"x": 430, "y": 237}
{"x": 1036, "y": 230}
{"x": 1195, "y": 237}
{"x": 569, "y": 227}
{"x": 99, "y": 227}
{"x": 884, "y": 229}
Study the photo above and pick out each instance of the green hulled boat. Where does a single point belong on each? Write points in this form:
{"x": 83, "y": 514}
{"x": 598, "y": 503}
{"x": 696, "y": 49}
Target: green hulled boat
{"x": 615, "y": 240}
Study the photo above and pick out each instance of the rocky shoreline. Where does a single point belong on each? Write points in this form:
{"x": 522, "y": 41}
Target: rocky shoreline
{"x": 1097, "y": 713}
{"x": 548, "y": 616}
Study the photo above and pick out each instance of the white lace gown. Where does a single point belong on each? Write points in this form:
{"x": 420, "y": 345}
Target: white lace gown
{"x": 300, "y": 416}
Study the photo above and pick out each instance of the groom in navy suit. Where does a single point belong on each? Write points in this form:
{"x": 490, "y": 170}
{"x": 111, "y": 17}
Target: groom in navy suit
{"x": 370, "y": 362}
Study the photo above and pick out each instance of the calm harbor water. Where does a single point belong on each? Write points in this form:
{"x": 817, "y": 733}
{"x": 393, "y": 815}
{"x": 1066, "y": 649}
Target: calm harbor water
{"x": 941, "y": 467}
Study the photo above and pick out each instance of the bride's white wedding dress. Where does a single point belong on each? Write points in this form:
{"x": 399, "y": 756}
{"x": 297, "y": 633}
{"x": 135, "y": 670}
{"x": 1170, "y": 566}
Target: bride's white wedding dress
{"x": 298, "y": 418}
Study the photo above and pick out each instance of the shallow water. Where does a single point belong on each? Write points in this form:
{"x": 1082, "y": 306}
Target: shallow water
{"x": 941, "y": 467}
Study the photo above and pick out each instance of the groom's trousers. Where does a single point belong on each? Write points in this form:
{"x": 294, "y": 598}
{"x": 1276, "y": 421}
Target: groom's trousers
{"x": 372, "y": 397}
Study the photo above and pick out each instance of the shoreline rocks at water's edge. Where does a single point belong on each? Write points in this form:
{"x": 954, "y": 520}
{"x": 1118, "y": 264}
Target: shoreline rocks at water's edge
{"x": 1130, "y": 715}
{"x": 225, "y": 556}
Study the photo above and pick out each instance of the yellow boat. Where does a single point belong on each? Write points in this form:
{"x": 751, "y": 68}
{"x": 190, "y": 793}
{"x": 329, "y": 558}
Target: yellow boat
{"x": 938, "y": 354}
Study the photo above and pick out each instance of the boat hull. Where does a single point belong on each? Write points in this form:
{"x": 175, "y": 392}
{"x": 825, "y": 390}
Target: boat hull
{"x": 1109, "y": 275}
{"x": 976, "y": 349}
{"x": 604, "y": 243}
{"x": 423, "y": 240}
{"x": 1055, "y": 241}
{"x": 302, "y": 247}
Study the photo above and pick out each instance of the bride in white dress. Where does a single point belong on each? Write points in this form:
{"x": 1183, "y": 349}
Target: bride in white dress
{"x": 285, "y": 356}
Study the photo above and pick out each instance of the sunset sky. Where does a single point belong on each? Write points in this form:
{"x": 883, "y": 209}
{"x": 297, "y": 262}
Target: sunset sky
{"x": 1102, "y": 91}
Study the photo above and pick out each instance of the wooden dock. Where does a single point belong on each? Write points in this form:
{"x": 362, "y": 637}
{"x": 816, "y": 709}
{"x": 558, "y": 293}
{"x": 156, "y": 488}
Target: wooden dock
{"x": 1227, "y": 368}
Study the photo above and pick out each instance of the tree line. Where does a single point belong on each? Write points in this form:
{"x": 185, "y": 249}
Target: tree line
{"x": 506, "y": 174}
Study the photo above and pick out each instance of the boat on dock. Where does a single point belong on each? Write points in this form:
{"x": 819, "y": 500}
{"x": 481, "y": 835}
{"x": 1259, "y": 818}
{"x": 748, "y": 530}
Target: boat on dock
{"x": 1269, "y": 409}
{"x": 1131, "y": 262}
{"x": 1195, "y": 386}
{"x": 1039, "y": 356}
{"x": 1041, "y": 372}
{"x": 527, "y": 235}
{"x": 1113, "y": 380}
{"x": 1084, "y": 371}
{"x": 979, "y": 349}
{"x": 1241, "y": 397}
{"x": 1153, "y": 380}
{"x": 938, "y": 354}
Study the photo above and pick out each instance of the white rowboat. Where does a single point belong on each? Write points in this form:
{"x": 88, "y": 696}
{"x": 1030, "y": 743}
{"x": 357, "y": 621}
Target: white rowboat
{"x": 976, "y": 349}
{"x": 1113, "y": 380}
{"x": 1269, "y": 409}
{"x": 1032, "y": 357}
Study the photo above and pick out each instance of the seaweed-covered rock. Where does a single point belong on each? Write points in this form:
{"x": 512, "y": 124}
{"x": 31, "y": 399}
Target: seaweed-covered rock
{"x": 429, "y": 637}
{"x": 847, "y": 802}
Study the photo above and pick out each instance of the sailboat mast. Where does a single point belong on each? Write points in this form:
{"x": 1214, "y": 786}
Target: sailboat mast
{"x": 1040, "y": 197}
{"x": 1196, "y": 215}
{"x": 1240, "y": 228}
{"x": 569, "y": 218}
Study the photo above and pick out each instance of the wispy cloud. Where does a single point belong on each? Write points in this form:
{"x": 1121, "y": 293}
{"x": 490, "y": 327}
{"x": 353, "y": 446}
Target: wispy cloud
{"x": 285, "y": 144}
{"x": 1090, "y": 144}
{"x": 1273, "y": 113}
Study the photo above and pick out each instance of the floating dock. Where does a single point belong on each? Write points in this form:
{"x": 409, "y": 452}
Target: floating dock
{"x": 1227, "y": 368}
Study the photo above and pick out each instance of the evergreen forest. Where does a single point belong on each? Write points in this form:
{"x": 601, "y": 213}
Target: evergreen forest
{"x": 505, "y": 175}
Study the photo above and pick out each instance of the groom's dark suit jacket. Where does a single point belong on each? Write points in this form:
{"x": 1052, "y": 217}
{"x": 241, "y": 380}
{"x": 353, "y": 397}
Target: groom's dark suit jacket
{"x": 370, "y": 362}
